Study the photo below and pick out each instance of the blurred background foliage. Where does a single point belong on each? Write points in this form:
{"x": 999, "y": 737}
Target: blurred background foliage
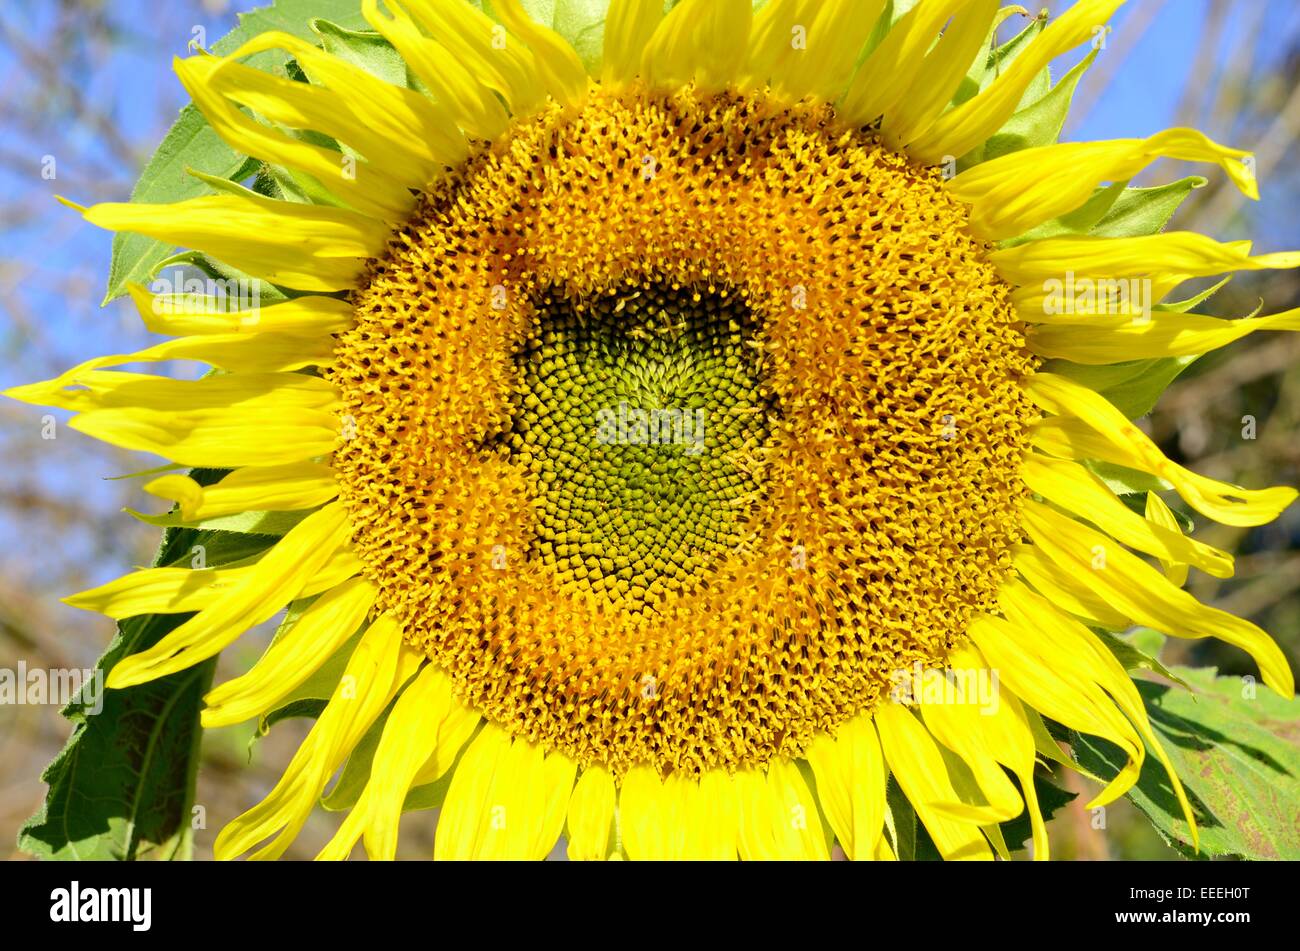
{"x": 88, "y": 94}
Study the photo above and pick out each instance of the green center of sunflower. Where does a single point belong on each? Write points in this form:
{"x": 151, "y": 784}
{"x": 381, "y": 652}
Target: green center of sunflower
{"x": 640, "y": 414}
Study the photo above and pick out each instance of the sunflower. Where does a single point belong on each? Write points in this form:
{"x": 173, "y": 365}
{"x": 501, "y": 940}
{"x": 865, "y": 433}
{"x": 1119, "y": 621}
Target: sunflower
{"x": 641, "y": 430}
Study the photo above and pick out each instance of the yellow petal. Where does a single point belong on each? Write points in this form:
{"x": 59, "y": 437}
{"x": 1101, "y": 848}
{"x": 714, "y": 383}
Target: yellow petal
{"x": 978, "y": 731}
{"x": 376, "y": 670}
{"x": 386, "y": 166}
{"x": 1182, "y": 253}
{"x": 837, "y": 31}
{"x": 469, "y": 102}
{"x": 159, "y": 591}
{"x": 178, "y": 312}
{"x": 591, "y": 811}
{"x": 1092, "y": 428}
{"x": 629, "y": 24}
{"x": 507, "y": 800}
{"x": 106, "y": 389}
{"x": 918, "y": 766}
{"x": 1144, "y": 594}
{"x": 987, "y": 737}
{"x": 1066, "y": 592}
{"x": 236, "y": 353}
{"x": 217, "y": 84}
{"x": 650, "y": 816}
{"x": 710, "y": 816}
{"x": 308, "y": 247}
{"x": 274, "y": 581}
{"x": 850, "y": 773}
{"x": 778, "y": 815}
{"x": 1077, "y": 490}
{"x": 298, "y": 485}
{"x": 342, "y": 565}
{"x": 409, "y": 121}
{"x": 887, "y": 77}
{"x": 1102, "y": 340}
{"x": 772, "y": 39}
{"x": 961, "y": 129}
{"x": 222, "y": 438}
{"x": 704, "y": 41}
{"x": 469, "y": 806}
{"x": 551, "y": 804}
{"x": 455, "y": 730}
{"x": 1013, "y": 193}
{"x": 294, "y": 656}
{"x": 558, "y": 65}
{"x": 1158, "y": 513}
{"x": 943, "y": 72}
{"x": 485, "y": 49}
{"x": 1071, "y": 639}
{"x": 407, "y": 740}
{"x": 1051, "y": 682}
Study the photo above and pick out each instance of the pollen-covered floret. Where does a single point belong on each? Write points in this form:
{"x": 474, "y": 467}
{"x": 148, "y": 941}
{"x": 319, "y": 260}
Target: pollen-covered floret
{"x": 853, "y": 500}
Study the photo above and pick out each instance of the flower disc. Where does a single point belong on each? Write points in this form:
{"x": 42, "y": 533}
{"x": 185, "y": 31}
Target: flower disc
{"x": 676, "y": 424}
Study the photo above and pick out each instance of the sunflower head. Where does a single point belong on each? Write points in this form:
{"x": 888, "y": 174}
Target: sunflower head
{"x": 647, "y": 437}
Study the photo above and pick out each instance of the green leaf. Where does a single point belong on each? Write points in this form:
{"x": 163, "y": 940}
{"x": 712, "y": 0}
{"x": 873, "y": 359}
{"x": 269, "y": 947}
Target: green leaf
{"x": 1117, "y": 211}
{"x": 356, "y": 771}
{"x": 217, "y": 271}
{"x": 1137, "y": 502}
{"x": 145, "y": 473}
{"x": 1144, "y": 211}
{"x": 299, "y": 709}
{"x": 1125, "y": 481}
{"x": 1130, "y": 653}
{"x": 904, "y": 821}
{"x": 120, "y": 789}
{"x": 925, "y": 850}
{"x": 309, "y": 697}
{"x": 1051, "y": 799}
{"x": 1037, "y": 124}
{"x": 985, "y": 70}
{"x": 1147, "y": 640}
{"x": 251, "y": 523}
{"x": 1133, "y": 387}
{"x": 1236, "y": 747}
{"x": 123, "y": 786}
{"x": 191, "y": 142}
{"x": 581, "y": 22}
{"x": 1183, "y": 306}
{"x": 364, "y": 49}
{"x": 431, "y": 795}
{"x": 1081, "y": 221}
